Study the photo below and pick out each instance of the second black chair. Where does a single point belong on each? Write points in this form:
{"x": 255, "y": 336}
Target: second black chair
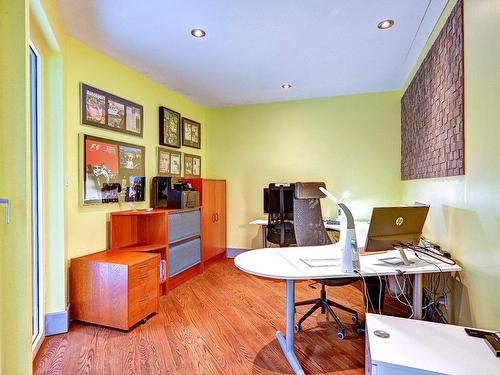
{"x": 279, "y": 206}
{"x": 310, "y": 231}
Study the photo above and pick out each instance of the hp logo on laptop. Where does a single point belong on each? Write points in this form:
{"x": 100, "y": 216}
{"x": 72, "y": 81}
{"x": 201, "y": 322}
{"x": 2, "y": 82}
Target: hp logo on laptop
{"x": 399, "y": 221}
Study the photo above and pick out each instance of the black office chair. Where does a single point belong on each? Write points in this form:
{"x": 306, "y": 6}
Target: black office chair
{"x": 280, "y": 215}
{"x": 310, "y": 231}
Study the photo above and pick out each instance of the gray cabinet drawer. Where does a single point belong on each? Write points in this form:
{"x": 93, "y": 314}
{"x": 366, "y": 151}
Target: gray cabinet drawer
{"x": 183, "y": 256}
{"x": 183, "y": 224}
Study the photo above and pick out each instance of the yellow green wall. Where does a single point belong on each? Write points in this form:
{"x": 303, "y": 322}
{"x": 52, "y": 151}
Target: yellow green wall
{"x": 465, "y": 210}
{"x": 350, "y": 142}
{"x": 15, "y": 239}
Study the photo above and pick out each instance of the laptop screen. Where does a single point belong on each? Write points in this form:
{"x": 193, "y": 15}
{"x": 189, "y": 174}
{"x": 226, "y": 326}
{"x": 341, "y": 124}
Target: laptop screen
{"x": 390, "y": 225}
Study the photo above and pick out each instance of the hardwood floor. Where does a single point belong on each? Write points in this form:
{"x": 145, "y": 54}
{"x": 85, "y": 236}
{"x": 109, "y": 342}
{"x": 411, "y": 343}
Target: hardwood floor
{"x": 221, "y": 322}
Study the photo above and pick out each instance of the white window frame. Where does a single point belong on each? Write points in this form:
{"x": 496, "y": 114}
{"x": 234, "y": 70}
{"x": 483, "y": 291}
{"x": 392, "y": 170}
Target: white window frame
{"x": 37, "y": 339}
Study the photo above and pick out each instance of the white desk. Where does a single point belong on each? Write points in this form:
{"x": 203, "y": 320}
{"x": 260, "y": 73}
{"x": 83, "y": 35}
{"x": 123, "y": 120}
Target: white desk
{"x": 286, "y": 263}
{"x": 418, "y": 347}
{"x": 361, "y": 230}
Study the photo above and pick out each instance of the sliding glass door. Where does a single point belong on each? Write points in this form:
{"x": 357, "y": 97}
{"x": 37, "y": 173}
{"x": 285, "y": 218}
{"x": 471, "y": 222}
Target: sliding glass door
{"x": 36, "y": 200}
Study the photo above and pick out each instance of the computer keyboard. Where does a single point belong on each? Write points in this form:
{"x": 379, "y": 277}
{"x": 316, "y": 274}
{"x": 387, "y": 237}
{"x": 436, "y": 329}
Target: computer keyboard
{"x": 332, "y": 222}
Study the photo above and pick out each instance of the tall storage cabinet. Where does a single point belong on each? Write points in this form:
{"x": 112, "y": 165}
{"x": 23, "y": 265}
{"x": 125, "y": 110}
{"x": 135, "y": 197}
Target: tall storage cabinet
{"x": 213, "y": 220}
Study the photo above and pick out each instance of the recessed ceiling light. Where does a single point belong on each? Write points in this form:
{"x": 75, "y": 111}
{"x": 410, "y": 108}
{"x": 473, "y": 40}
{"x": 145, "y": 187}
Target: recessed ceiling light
{"x": 286, "y": 86}
{"x": 385, "y": 24}
{"x": 198, "y": 33}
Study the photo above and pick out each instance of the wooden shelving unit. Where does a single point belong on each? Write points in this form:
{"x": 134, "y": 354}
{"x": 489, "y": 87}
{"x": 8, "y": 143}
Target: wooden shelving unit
{"x": 140, "y": 231}
{"x": 194, "y": 238}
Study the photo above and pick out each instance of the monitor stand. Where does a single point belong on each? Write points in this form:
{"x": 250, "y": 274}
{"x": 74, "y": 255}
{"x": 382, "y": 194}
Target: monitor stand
{"x": 398, "y": 261}
{"x": 403, "y": 256}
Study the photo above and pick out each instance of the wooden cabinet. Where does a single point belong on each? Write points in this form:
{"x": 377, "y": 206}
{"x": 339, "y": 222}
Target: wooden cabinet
{"x": 114, "y": 288}
{"x": 213, "y": 222}
{"x": 213, "y": 218}
{"x": 140, "y": 231}
{"x": 172, "y": 233}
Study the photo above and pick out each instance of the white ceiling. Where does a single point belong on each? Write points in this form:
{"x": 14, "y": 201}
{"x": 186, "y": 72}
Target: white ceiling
{"x": 252, "y": 47}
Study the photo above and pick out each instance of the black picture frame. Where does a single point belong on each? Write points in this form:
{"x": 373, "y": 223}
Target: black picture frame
{"x": 111, "y": 171}
{"x": 192, "y": 165}
{"x": 191, "y": 133}
{"x": 107, "y": 111}
{"x": 167, "y": 167}
{"x": 168, "y": 133}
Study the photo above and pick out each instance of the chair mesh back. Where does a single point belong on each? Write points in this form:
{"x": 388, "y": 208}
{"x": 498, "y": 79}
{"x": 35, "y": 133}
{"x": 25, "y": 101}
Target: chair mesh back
{"x": 280, "y": 215}
{"x": 308, "y": 222}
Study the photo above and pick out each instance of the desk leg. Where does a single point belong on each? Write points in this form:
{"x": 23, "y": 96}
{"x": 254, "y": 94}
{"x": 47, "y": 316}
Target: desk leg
{"x": 287, "y": 342}
{"x": 264, "y": 238}
{"x": 417, "y": 296}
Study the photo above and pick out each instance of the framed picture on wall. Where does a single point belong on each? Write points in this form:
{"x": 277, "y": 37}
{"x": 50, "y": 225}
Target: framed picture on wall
{"x": 169, "y": 162}
{"x": 108, "y": 111}
{"x": 112, "y": 171}
{"x": 170, "y": 127}
{"x": 192, "y": 165}
{"x": 191, "y": 133}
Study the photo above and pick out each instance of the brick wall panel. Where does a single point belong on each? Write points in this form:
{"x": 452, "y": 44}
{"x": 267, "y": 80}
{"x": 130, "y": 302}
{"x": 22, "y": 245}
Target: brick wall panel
{"x": 432, "y": 112}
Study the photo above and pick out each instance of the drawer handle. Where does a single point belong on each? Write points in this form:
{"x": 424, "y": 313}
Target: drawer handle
{"x": 143, "y": 276}
{"x": 217, "y": 217}
{"x": 144, "y": 299}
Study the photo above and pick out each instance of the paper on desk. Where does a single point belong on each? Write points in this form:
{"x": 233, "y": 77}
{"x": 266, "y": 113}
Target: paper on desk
{"x": 324, "y": 262}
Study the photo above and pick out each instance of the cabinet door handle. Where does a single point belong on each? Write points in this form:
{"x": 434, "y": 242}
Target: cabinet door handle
{"x": 217, "y": 216}
{"x": 7, "y": 209}
{"x": 143, "y": 276}
{"x": 213, "y": 218}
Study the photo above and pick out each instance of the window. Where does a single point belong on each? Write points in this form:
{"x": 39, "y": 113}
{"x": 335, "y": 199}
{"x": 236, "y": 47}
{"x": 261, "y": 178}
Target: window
{"x": 36, "y": 201}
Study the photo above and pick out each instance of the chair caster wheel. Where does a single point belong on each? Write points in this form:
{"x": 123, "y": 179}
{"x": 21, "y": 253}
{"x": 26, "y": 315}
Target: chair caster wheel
{"x": 341, "y": 335}
{"x": 298, "y": 328}
{"x": 355, "y": 319}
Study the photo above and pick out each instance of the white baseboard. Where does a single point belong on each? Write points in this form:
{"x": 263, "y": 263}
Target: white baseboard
{"x": 57, "y": 322}
{"x": 232, "y": 252}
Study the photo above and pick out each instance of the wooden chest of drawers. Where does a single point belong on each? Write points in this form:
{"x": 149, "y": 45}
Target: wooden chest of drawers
{"x": 114, "y": 288}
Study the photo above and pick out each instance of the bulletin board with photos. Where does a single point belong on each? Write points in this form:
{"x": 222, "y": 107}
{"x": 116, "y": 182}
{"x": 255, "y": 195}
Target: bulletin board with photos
{"x": 113, "y": 171}
{"x": 108, "y": 111}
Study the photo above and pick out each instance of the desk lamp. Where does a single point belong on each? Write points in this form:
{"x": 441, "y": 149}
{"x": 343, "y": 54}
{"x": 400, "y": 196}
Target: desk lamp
{"x": 350, "y": 254}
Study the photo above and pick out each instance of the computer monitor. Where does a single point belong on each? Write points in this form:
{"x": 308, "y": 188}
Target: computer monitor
{"x": 390, "y": 225}
{"x": 272, "y": 199}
